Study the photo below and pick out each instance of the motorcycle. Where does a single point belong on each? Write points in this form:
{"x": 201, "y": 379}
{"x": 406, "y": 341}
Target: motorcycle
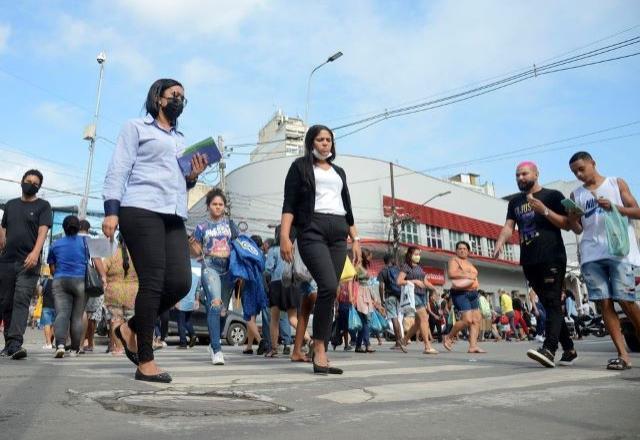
{"x": 594, "y": 325}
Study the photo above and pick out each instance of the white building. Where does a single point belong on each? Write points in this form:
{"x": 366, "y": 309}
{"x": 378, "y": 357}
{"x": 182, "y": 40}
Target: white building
{"x": 472, "y": 181}
{"x": 281, "y": 136}
{"x": 256, "y": 192}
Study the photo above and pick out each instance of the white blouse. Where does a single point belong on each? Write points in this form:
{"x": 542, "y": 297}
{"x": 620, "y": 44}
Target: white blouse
{"x": 328, "y": 192}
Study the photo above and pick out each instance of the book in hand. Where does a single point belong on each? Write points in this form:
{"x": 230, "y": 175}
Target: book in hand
{"x": 206, "y": 147}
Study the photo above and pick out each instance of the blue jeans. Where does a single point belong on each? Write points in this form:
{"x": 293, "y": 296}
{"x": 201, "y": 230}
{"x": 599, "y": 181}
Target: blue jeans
{"x": 363, "y": 334}
{"x": 285, "y": 328}
{"x": 217, "y": 285}
{"x": 184, "y": 326}
{"x": 540, "y": 319}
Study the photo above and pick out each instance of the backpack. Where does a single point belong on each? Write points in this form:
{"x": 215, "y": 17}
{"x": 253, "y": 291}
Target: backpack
{"x": 392, "y": 276}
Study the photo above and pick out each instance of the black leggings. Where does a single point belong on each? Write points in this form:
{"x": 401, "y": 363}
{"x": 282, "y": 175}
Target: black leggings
{"x": 160, "y": 254}
{"x": 323, "y": 248}
{"x": 546, "y": 280}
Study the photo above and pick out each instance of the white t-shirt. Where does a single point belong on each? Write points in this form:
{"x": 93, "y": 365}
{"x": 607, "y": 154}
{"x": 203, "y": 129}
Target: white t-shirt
{"x": 328, "y": 192}
{"x": 594, "y": 245}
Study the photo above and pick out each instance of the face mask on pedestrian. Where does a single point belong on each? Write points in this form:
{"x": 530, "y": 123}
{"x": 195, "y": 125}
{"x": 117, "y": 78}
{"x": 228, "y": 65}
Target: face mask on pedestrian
{"x": 173, "y": 109}
{"x": 415, "y": 258}
{"x": 29, "y": 189}
{"x": 318, "y": 155}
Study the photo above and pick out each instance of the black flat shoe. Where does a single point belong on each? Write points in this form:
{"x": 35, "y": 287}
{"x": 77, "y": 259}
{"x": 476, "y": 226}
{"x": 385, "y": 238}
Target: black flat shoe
{"x": 163, "y": 377}
{"x": 319, "y": 369}
{"x": 133, "y": 357}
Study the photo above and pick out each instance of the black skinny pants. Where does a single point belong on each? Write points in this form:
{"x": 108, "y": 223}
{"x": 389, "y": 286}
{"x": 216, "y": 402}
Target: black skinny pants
{"x": 546, "y": 280}
{"x": 323, "y": 248}
{"x": 159, "y": 251}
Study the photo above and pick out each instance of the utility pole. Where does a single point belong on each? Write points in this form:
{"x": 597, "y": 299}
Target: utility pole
{"x": 90, "y": 135}
{"x": 221, "y": 171}
{"x": 395, "y": 223}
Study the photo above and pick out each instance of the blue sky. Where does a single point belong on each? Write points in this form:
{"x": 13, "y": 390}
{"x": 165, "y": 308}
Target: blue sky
{"x": 242, "y": 60}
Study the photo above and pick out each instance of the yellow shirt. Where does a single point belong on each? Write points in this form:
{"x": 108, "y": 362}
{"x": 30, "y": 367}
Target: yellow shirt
{"x": 506, "y": 304}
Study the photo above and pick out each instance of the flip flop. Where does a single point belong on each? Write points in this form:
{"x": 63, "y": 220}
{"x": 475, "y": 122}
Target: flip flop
{"x": 447, "y": 344}
{"x": 307, "y": 360}
{"x": 431, "y": 351}
{"x": 618, "y": 364}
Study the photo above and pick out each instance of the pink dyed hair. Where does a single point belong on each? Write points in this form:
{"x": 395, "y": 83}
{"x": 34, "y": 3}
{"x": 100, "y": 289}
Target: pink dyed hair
{"x": 527, "y": 163}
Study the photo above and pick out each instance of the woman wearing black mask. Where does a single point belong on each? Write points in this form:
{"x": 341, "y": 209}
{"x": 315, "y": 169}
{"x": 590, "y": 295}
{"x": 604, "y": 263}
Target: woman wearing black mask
{"x": 317, "y": 203}
{"x": 145, "y": 192}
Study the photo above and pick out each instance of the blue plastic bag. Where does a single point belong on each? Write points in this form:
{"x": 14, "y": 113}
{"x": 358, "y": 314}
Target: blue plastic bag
{"x": 617, "y": 228}
{"x": 383, "y": 321}
{"x": 355, "y": 323}
{"x": 374, "y": 323}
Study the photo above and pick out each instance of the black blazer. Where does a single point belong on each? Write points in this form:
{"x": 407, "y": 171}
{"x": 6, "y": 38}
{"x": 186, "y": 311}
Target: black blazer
{"x": 300, "y": 198}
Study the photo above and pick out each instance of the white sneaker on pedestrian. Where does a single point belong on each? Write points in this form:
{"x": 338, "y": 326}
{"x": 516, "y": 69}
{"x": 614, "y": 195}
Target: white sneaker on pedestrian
{"x": 47, "y": 347}
{"x": 59, "y": 352}
{"x": 216, "y": 358}
{"x": 164, "y": 344}
{"x": 540, "y": 338}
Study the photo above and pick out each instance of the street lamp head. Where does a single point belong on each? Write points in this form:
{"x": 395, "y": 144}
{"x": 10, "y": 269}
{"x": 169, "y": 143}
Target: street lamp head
{"x": 334, "y": 57}
{"x": 101, "y": 58}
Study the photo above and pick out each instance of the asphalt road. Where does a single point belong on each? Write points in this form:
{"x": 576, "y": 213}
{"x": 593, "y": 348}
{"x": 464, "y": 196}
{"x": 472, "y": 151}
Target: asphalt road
{"x": 384, "y": 395}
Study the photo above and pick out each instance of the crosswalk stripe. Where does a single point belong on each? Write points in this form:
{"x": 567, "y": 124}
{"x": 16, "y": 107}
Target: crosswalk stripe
{"x": 226, "y": 380}
{"x": 208, "y": 368}
{"x": 428, "y": 390}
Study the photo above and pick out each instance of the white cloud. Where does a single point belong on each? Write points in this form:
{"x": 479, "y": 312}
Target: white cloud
{"x": 60, "y": 115}
{"x": 199, "y": 71}
{"x": 5, "y": 32}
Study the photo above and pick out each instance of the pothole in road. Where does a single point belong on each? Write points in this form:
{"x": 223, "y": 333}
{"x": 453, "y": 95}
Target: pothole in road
{"x": 186, "y": 403}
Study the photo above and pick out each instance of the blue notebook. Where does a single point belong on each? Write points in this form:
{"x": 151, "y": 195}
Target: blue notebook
{"x": 205, "y": 147}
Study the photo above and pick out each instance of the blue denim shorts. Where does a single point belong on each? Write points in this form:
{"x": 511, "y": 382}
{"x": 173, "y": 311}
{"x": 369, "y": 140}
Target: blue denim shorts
{"x": 308, "y": 287}
{"x": 392, "y": 306}
{"x": 465, "y": 300}
{"x": 609, "y": 279}
{"x": 421, "y": 300}
{"x": 48, "y": 316}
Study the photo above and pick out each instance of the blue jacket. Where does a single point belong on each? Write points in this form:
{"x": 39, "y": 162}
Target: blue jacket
{"x": 247, "y": 262}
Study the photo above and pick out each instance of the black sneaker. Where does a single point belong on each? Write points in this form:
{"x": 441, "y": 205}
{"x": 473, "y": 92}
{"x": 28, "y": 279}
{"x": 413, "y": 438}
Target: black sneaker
{"x": 192, "y": 341}
{"x": 4, "y": 352}
{"x": 20, "y": 353}
{"x": 543, "y": 356}
{"x": 286, "y": 350}
{"x": 262, "y": 347}
{"x": 568, "y": 357}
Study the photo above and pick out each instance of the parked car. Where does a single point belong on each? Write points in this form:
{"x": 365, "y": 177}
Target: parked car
{"x": 233, "y": 333}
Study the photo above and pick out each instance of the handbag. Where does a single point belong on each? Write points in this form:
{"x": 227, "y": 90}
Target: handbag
{"x": 355, "y": 323}
{"x": 300, "y": 271}
{"x": 92, "y": 281}
{"x": 617, "y": 229}
{"x": 348, "y": 271}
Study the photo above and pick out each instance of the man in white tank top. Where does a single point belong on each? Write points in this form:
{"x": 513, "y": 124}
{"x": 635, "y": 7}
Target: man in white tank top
{"x": 609, "y": 278}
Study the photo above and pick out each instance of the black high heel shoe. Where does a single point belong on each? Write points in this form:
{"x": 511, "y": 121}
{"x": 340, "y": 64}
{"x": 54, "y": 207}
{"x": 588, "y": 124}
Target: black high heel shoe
{"x": 319, "y": 369}
{"x": 133, "y": 357}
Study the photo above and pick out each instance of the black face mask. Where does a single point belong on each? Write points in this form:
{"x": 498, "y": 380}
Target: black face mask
{"x": 173, "y": 109}
{"x": 526, "y": 186}
{"x": 29, "y": 189}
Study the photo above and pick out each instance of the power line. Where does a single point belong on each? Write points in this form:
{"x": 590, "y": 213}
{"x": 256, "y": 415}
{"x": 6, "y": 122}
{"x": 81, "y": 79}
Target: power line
{"x": 46, "y": 188}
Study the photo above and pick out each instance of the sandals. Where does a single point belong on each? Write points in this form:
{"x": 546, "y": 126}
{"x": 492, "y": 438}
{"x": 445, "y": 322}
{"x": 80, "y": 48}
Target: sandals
{"x": 272, "y": 354}
{"x": 618, "y": 364}
{"x": 430, "y": 351}
{"x": 369, "y": 350}
{"x": 447, "y": 343}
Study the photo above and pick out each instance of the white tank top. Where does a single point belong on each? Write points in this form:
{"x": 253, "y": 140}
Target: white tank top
{"x": 594, "y": 245}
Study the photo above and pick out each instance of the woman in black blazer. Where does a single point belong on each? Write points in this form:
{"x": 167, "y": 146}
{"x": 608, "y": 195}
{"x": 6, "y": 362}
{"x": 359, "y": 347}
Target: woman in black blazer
{"x": 317, "y": 204}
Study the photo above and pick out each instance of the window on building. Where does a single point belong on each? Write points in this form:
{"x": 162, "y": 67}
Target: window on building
{"x": 476, "y": 244}
{"x": 508, "y": 252}
{"x": 434, "y": 237}
{"x": 409, "y": 233}
{"x": 491, "y": 246}
{"x": 454, "y": 237}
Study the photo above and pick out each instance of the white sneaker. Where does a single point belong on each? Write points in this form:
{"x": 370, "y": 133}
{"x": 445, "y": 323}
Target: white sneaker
{"x": 164, "y": 344}
{"x": 47, "y": 347}
{"x": 540, "y": 338}
{"x": 216, "y": 358}
{"x": 59, "y": 352}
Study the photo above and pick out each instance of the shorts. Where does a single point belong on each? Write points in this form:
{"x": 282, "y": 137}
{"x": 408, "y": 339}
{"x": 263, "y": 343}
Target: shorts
{"x": 421, "y": 300}
{"x": 308, "y": 287}
{"x": 392, "y": 306}
{"x": 609, "y": 279}
{"x": 93, "y": 304}
{"x": 284, "y": 298}
{"x": 48, "y": 316}
{"x": 119, "y": 313}
{"x": 465, "y": 300}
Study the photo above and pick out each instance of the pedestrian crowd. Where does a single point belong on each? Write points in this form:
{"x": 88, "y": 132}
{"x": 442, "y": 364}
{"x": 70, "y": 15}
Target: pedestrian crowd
{"x": 314, "y": 265}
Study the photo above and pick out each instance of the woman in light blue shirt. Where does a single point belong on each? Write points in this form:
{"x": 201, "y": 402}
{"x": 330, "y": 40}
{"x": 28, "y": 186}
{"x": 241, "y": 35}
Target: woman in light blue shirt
{"x": 145, "y": 192}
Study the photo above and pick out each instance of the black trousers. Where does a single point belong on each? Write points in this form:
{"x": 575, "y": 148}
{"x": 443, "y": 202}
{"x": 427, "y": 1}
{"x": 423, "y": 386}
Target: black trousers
{"x": 546, "y": 280}
{"x": 17, "y": 287}
{"x": 159, "y": 251}
{"x": 323, "y": 248}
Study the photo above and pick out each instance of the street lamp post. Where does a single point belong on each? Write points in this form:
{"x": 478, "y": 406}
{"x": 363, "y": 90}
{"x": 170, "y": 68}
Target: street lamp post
{"x": 90, "y": 134}
{"x": 331, "y": 59}
{"x": 436, "y": 196}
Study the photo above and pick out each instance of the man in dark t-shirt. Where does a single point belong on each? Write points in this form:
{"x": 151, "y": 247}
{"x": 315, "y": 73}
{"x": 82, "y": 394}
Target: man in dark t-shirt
{"x": 390, "y": 295}
{"x": 25, "y": 225}
{"x": 539, "y": 215}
